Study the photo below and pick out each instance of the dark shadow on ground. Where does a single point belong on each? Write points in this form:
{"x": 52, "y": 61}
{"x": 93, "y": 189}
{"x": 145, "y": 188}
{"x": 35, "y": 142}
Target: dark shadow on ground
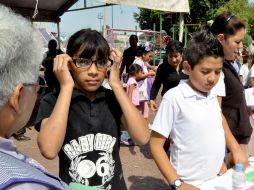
{"x": 145, "y": 150}
{"x": 146, "y": 183}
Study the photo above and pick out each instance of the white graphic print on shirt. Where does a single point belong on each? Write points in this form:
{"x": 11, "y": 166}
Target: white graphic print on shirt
{"x": 86, "y": 171}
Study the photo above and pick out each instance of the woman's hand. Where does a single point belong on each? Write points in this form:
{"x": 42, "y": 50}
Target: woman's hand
{"x": 153, "y": 105}
{"x": 62, "y": 72}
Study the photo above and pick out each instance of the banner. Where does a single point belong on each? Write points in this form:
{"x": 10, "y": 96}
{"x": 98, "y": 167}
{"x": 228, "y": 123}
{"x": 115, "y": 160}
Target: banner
{"x": 162, "y": 5}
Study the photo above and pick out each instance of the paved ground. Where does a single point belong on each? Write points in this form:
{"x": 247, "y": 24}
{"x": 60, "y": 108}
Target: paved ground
{"x": 140, "y": 171}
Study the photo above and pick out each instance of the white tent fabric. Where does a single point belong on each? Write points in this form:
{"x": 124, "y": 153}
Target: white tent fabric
{"x": 162, "y": 5}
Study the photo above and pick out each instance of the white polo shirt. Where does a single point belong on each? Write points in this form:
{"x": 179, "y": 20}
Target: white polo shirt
{"x": 194, "y": 123}
{"x": 219, "y": 89}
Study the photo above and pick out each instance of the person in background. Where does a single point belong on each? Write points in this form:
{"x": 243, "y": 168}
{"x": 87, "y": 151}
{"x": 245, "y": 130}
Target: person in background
{"x": 191, "y": 115}
{"x": 251, "y": 75}
{"x": 81, "y": 123}
{"x": 167, "y": 73}
{"x": 47, "y": 63}
{"x": 244, "y": 70}
{"x": 144, "y": 79}
{"x": 230, "y": 31}
{"x": 129, "y": 54}
{"x": 20, "y": 58}
{"x": 133, "y": 94}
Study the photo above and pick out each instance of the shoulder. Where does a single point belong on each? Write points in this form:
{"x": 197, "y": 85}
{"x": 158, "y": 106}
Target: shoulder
{"x": 173, "y": 94}
{"x": 131, "y": 80}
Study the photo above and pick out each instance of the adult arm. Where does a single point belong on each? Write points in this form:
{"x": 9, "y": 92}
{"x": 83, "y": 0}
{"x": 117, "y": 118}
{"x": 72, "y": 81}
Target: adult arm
{"x": 237, "y": 152}
{"x": 252, "y": 81}
{"x": 155, "y": 89}
{"x": 131, "y": 116}
{"x": 53, "y": 128}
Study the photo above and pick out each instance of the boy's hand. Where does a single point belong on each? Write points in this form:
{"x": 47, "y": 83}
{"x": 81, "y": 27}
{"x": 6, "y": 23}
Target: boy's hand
{"x": 153, "y": 105}
{"x": 115, "y": 68}
{"x": 223, "y": 169}
{"x": 61, "y": 70}
{"x": 186, "y": 186}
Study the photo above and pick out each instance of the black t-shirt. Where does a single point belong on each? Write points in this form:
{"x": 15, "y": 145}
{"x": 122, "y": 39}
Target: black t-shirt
{"x": 128, "y": 57}
{"x": 90, "y": 152}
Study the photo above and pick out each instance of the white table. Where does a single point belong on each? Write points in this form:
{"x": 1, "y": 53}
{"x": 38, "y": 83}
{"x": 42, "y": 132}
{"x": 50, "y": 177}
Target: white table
{"x": 224, "y": 182}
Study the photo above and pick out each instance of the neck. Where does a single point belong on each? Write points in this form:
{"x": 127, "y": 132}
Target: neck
{"x": 194, "y": 88}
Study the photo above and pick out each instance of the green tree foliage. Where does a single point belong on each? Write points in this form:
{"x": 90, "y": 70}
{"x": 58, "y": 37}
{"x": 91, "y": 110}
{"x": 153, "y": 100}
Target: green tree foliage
{"x": 147, "y": 17}
{"x": 242, "y": 9}
{"x": 204, "y": 10}
{"x": 200, "y": 12}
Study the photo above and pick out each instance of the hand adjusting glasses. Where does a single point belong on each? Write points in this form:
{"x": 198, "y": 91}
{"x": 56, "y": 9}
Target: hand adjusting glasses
{"x": 85, "y": 63}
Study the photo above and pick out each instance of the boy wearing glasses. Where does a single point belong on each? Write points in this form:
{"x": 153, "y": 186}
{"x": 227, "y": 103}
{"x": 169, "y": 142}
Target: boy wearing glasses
{"x": 81, "y": 123}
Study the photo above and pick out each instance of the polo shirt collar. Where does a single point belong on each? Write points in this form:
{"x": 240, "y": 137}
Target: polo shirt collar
{"x": 189, "y": 92}
{"x": 101, "y": 93}
{"x": 8, "y": 146}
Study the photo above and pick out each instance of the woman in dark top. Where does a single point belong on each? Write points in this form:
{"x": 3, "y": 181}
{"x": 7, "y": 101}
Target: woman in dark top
{"x": 168, "y": 72}
{"x": 230, "y": 31}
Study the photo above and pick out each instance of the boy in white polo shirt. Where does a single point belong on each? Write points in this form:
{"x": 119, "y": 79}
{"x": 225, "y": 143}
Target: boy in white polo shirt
{"x": 191, "y": 115}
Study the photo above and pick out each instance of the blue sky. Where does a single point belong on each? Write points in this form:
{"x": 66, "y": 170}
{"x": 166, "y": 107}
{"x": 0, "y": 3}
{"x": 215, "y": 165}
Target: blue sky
{"x": 76, "y": 20}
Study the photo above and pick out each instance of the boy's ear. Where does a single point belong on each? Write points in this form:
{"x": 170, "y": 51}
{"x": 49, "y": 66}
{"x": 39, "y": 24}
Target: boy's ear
{"x": 15, "y": 98}
{"x": 220, "y": 37}
{"x": 186, "y": 67}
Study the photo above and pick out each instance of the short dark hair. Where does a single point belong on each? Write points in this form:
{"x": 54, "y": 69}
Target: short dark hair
{"x": 202, "y": 44}
{"x": 52, "y": 44}
{"x": 226, "y": 23}
{"x": 92, "y": 41}
{"x": 174, "y": 46}
{"x": 134, "y": 36}
{"x": 134, "y": 68}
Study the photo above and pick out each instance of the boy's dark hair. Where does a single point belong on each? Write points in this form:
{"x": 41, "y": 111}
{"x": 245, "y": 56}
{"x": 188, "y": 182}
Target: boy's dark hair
{"x": 174, "y": 46}
{"x": 142, "y": 50}
{"x": 226, "y": 23}
{"x": 92, "y": 41}
{"x": 202, "y": 44}
{"x": 134, "y": 68}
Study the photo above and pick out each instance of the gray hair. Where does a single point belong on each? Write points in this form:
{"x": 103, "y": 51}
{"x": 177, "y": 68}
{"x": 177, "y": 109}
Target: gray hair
{"x": 20, "y": 52}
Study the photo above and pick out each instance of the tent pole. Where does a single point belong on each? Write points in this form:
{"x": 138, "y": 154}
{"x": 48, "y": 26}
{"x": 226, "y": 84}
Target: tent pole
{"x": 58, "y": 35}
{"x": 181, "y": 25}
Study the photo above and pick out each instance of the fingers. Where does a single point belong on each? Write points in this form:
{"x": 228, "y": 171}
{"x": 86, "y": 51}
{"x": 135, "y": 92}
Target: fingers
{"x": 61, "y": 62}
{"x": 117, "y": 55}
{"x": 223, "y": 169}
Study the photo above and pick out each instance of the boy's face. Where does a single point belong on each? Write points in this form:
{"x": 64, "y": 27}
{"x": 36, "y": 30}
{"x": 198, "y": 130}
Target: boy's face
{"x": 204, "y": 76}
{"x": 88, "y": 79}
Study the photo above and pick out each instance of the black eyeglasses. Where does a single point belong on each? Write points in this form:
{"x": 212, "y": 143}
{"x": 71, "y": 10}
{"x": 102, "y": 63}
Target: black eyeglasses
{"x": 101, "y": 64}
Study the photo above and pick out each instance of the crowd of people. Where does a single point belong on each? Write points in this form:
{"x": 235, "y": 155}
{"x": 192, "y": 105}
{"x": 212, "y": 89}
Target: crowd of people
{"x": 201, "y": 127}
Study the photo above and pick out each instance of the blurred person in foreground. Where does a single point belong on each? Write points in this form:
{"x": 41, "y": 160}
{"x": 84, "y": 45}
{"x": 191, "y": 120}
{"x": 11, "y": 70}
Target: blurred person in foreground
{"x": 20, "y": 58}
